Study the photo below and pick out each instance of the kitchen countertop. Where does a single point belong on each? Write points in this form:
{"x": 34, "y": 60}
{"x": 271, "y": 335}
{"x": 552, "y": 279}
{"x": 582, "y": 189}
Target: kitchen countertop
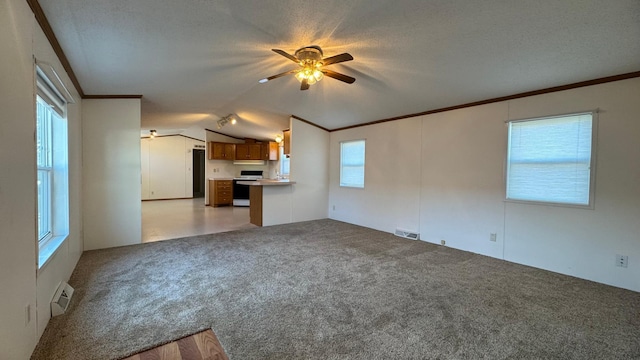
{"x": 267, "y": 182}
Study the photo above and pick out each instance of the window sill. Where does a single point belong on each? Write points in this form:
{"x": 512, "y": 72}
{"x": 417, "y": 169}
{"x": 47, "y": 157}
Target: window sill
{"x": 48, "y": 249}
{"x": 566, "y": 205}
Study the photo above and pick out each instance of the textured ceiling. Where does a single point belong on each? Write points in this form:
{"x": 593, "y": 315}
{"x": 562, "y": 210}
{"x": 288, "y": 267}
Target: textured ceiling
{"x": 195, "y": 61}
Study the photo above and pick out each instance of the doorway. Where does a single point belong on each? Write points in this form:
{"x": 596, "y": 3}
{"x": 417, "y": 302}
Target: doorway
{"x": 198, "y": 173}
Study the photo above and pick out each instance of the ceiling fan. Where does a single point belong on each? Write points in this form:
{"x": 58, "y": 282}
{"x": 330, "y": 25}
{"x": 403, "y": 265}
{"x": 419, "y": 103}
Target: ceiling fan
{"x": 311, "y": 69}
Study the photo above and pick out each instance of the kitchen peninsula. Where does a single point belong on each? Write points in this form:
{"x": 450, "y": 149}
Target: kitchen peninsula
{"x": 270, "y": 201}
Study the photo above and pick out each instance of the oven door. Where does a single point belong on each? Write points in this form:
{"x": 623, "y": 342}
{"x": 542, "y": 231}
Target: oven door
{"x": 240, "y": 193}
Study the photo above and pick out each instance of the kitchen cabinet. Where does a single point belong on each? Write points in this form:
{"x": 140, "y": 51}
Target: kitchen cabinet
{"x": 222, "y": 151}
{"x": 249, "y": 151}
{"x": 287, "y": 142}
{"x": 220, "y": 193}
{"x": 270, "y": 150}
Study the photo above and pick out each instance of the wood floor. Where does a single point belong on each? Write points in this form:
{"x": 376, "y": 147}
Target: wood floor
{"x": 200, "y": 346}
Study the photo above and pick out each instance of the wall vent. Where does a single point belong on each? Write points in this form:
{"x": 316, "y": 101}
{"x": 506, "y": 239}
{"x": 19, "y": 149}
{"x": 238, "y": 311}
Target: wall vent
{"x": 61, "y": 299}
{"x": 407, "y": 234}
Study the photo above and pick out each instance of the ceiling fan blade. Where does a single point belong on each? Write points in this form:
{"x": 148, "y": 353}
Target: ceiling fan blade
{"x": 304, "y": 85}
{"x": 338, "y": 76}
{"x": 285, "y": 54}
{"x": 337, "y": 59}
{"x": 262, "y": 81}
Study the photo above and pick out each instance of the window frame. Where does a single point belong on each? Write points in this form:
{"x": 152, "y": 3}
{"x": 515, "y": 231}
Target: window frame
{"x": 283, "y": 159}
{"x": 46, "y": 169}
{"x": 49, "y": 97}
{"x": 364, "y": 163}
{"x": 592, "y": 166}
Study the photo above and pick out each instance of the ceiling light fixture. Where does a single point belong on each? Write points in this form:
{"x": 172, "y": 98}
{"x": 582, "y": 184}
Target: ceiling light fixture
{"x": 226, "y": 120}
{"x": 278, "y": 139}
{"x": 153, "y": 133}
{"x": 311, "y": 66}
{"x": 311, "y": 63}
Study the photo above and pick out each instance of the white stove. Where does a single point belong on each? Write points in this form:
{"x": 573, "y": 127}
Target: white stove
{"x": 241, "y": 192}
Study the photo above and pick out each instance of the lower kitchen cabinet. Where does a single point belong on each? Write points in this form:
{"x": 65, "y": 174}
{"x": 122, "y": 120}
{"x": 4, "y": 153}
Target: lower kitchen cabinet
{"x": 220, "y": 192}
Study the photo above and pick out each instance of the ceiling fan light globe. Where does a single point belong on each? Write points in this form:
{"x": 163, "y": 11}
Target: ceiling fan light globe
{"x": 300, "y": 75}
{"x": 318, "y": 75}
{"x": 311, "y": 80}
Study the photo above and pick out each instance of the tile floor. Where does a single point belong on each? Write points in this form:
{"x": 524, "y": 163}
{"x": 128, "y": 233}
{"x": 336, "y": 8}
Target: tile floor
{"x": 170, "y": 219}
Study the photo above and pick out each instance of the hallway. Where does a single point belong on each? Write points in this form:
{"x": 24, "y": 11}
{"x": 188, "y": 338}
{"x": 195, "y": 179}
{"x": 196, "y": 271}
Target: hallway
{"x": 170, "y": 219}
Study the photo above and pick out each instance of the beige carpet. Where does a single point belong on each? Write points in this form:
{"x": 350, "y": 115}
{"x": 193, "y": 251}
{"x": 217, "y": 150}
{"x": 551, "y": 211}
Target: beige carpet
{"x": 330, "y": 290}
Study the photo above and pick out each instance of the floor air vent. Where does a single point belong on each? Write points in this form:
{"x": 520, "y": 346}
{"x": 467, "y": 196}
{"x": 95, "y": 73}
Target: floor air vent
{"x": 407, "y": 234}
{"x": 61, "y": 299}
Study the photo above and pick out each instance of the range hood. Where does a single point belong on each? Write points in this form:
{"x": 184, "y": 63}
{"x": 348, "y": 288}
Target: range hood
{"x": 248, "y": 162}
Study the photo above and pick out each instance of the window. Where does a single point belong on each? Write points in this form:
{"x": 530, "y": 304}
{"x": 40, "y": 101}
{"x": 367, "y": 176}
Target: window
{"x": 352, "y": 163}
{"x": 45, "y": 167}
{"x": 53, "y": 171}
{"x": 284, "y": 162}
{"x": 550, "y": 159}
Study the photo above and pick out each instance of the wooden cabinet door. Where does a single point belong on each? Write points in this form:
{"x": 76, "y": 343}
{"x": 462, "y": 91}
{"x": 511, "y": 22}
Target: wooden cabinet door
{"x": 255, "y": 152}
{"x": 242, "y": 152}
{"x": 270, "y": 151}
{"x": 218, "y": 151}
{"x": 210, "y": 150}
{"x": 229, "y": 151}
{"x": 274, "y": 154}
{"x": 287, "y": 142}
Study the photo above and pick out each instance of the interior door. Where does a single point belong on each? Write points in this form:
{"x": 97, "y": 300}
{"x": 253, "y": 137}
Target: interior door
{"x": 198, "y": 173}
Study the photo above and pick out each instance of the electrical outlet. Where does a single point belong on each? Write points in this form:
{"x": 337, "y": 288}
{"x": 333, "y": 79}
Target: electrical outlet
{"x": 442, "y": 242}
{"x": 493, "y": 237}
{"x": 622, "y": 260}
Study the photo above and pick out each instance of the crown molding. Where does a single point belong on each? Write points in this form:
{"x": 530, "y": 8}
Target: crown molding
{"x": 576, "y": 85}
{"x": 112, "y": 97}
{"x": 310, "y": 123}
{"x": 53, "y": 40}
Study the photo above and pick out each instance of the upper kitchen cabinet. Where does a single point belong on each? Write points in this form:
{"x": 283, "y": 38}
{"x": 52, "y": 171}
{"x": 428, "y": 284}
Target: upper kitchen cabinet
{"x": 270, "y": 150}
{"x": 222, "y": 151}
{"x": 287, "y": 142}
{"x": 251, "y": 151}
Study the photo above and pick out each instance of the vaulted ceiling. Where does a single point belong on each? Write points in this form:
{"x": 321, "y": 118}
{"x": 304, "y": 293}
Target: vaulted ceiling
{"x": 195, "y": 61}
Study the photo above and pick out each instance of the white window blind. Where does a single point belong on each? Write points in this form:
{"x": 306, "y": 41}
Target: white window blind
{"x": 352, "y": 163}
{"x": 549, "y": 159}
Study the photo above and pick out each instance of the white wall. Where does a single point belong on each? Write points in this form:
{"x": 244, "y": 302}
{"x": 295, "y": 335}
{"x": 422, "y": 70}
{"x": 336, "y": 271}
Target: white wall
{"x": 390, "y": 198}
{"x": 111, "y": 173}
{"x": 583, "y": 242}
{"x": 21, "y": 39}
{"x": 166, "y": 164}
{"x": 61, "y": 265}
{"x": 310, "y": 170}
{"x": 461, "y": 185}
{"x": 462, "y": 182}
{"x": 196, "y": 132}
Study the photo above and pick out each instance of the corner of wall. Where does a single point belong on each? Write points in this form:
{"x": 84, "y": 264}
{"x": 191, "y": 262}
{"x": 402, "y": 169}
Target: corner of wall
{"x": 309, "y": 167}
